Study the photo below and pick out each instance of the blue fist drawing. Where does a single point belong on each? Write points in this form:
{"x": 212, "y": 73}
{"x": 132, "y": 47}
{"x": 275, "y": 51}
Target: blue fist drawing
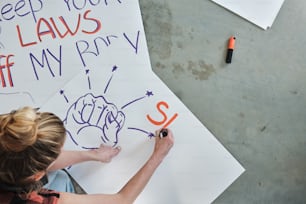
{"x": 91, "y": 120}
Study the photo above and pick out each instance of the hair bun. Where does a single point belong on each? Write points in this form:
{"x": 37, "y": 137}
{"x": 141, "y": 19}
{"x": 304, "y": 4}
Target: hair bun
{"x": 18, "y": 129}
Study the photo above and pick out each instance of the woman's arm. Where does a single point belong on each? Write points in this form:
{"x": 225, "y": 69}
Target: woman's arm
{"x": 67, "y": 158}
{"x": 137, "y": 183}
{"x": 129, "y": 193}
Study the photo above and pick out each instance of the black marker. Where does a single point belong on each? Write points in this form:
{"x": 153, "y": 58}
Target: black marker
{"x": 163, "y": 133}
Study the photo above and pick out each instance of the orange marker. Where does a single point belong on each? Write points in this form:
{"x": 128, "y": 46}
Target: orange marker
{"x": 230, "y": 49}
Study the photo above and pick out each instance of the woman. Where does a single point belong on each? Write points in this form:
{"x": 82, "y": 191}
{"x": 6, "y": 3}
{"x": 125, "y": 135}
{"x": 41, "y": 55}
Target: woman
{"x": 30, "y": 146}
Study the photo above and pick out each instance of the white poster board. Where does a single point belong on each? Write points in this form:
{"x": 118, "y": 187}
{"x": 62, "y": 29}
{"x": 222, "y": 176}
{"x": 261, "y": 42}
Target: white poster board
{"x": 198, "y": 168}
{"x": 260, "y": 12}
{"x": 44, "y": 44}
{"x": 88, "y": 63}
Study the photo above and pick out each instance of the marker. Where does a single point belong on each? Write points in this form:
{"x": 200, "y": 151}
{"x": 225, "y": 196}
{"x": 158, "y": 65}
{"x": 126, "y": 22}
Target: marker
{"x": 163, "y": 133}
{"x": 230, "y": 49}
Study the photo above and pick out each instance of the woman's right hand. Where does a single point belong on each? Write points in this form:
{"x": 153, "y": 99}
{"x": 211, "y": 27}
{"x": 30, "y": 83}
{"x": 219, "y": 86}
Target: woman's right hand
{"x": 163, "y": 144}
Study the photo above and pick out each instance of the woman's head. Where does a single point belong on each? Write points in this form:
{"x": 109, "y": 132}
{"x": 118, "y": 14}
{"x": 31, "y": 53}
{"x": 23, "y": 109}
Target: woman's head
{"x": 29, "y": 142}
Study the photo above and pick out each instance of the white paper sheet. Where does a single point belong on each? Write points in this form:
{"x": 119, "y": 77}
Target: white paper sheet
{"x": 260, "y": 12}
{"x": 198, "y": 168}
{"x": 54, "y": 40}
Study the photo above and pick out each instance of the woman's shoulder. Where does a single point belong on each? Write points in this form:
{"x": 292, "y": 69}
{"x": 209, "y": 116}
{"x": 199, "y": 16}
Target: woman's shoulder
{"x": 45, "y": 196}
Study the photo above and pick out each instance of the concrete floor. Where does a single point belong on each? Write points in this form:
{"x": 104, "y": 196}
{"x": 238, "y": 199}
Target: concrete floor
{"x": 255, "y": 106}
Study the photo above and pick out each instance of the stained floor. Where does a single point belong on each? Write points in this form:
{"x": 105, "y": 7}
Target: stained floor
{"x": 255, "y": 106}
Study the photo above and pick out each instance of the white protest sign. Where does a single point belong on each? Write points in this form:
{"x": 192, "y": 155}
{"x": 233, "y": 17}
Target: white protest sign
{"x": 260, "y": 12}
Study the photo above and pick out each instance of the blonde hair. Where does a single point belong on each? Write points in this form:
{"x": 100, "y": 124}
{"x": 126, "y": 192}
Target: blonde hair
{"x": 29, "y": 142}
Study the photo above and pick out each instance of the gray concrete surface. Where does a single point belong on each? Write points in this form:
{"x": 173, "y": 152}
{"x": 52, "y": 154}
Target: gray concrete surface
{"x": 255, "y": 106}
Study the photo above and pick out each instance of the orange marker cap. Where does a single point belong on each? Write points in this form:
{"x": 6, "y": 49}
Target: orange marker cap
{"x": 231, "y": 43}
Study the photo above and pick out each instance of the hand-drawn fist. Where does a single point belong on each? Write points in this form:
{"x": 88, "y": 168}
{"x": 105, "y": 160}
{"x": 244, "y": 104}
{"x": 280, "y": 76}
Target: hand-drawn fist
{"x": 91, "y": 120}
